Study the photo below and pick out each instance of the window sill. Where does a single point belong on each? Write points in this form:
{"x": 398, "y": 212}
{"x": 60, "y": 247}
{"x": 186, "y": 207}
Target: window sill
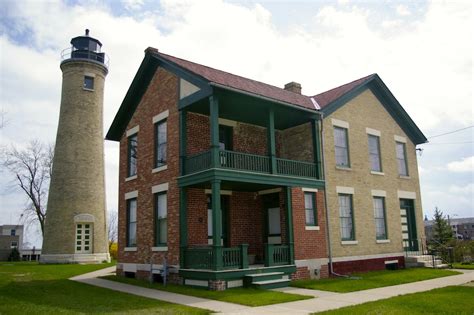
{"x": 404, "y": 177}
{"x": 311, "y": 228}
{"x": 86, "y": 89}
{"x": 159, "y": 168}
{"x": 382, "y": 241}
{"x": 377, "y": 173}
{"x": 349, "y": 242}
{"x": 131, "y": 178}
{"x": 159, "y": 249}
{"x": 130, "y": 249}
{"x": 344, "y": 168}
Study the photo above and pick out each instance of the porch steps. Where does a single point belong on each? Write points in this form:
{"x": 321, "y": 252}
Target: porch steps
{"x": 424, "y": 261}
{"x": 270, "y": 280}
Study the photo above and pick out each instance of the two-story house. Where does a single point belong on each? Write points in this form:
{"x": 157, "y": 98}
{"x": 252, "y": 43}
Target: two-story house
{"x": 222, "y": 177}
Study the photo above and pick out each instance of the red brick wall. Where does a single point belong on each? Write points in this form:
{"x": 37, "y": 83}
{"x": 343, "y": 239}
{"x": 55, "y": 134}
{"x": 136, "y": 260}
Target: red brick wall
{"x": 348, "y": 267}
{"x": 197, "y": 216}
{"x": 160, "y": 96}
{"x": 308, "y": 244}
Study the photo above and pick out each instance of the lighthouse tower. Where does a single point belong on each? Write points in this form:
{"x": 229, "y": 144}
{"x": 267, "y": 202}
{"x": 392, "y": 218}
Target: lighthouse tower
{"x": 75, "y": 227}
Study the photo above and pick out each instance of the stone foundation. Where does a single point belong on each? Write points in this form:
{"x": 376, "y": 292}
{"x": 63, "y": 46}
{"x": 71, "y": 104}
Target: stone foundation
{"x": 217, "y": 285}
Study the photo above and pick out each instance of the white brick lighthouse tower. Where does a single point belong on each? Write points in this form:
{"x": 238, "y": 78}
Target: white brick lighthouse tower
{"x": 75, "y": 228}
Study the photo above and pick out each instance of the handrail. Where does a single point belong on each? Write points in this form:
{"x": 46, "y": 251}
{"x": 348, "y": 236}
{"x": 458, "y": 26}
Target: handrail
{"x": 72, "y": 53}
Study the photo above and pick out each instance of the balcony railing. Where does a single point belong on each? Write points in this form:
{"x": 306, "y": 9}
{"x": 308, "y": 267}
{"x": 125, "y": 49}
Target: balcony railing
{"x": 250, "y": 163}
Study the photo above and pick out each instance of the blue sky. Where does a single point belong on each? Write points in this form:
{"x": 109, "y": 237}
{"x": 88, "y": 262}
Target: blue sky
{"x": 421, "y": 49}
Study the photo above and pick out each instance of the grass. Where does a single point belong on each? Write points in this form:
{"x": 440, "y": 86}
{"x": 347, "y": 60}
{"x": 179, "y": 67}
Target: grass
{"x": 374, "y": 279}
{"x": 463, "y": 266}
{"x": 448, "y": 300}
{"x": 243, "y": 296}
{"x": 30, "y": 288}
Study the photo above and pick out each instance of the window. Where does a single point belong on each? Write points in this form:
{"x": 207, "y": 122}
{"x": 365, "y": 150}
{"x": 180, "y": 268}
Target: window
{"x": 13, "y": 244}
{"x": 374, "y": 153}
{"x": 379, "y": 215}
{"x": 12, "y": 232}
{"x": 402, "y": 159}
{"x": 346, "y": 215}
{"x": 160, "y": 143}
{"x": 161, "y": 219}
{"x": 132, "y": 155}
{"x": 310, "y": 208}
{"x": 341, "y": 147}
{"x": 88, "y": 82}
{"x": 132, "y": 222}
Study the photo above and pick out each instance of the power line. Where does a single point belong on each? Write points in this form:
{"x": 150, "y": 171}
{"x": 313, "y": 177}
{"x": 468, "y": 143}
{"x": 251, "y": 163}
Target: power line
{"x": 450, "y": 132}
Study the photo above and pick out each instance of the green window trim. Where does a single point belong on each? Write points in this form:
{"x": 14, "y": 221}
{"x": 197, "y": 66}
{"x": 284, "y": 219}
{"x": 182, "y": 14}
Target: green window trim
{"x": 161, "y": 219}
{"x": 401, "y": 155}
{"x": 132, "y": 144}
{"x": 161, "y": 143}
{"x": 311, "y": 213}
{"x": 346, "y": 217}
{"x": 380, "y": 217}
{"x": 341, "y": 147}
{"x": 375, "y": 157}
{"x": 131, "y": 232}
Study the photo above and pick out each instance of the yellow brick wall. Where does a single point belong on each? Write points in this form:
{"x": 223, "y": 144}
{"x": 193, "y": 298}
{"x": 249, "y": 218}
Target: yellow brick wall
{"x": 361, "y": 112}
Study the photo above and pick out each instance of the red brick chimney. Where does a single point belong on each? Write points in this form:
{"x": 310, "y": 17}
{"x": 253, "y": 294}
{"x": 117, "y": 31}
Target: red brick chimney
{"x": 293, "y": 87}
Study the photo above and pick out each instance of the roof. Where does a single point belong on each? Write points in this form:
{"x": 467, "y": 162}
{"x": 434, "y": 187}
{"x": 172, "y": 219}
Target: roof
{"x": 226, "y": 79}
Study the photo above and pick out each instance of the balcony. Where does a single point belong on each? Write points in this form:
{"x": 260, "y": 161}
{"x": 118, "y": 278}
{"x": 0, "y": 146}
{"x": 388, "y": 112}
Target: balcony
{"x": 239, "y": 161}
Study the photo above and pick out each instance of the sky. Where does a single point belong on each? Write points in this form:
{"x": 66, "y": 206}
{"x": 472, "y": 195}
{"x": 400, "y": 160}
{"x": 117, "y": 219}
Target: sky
{"x": 422, "y": 50}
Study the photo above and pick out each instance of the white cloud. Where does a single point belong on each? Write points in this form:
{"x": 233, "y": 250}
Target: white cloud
{"x": 464, "y": 165}
{"x": 133, "y": 5}
{"x": 403, "y": 10}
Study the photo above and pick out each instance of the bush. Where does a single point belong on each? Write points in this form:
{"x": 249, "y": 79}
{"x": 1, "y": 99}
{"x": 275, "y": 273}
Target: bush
{"x": 113, "y": 250}
{"x": 14, "y": 255}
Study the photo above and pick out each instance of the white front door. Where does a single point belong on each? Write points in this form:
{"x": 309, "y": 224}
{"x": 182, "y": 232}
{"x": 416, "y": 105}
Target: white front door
{"x": 83, "y": 238}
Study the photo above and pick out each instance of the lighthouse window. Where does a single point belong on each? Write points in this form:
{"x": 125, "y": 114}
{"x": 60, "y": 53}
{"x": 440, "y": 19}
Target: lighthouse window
{"x": 88, "y": 82}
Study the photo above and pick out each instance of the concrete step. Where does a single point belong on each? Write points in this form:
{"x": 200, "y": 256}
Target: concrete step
{"x": 252, "y": 278}
{"x": 271, "y": 284}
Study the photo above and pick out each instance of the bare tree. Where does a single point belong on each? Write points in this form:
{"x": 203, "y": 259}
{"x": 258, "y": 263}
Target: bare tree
{"x": 31, "y": 169}
{"x": 112, "y": 227}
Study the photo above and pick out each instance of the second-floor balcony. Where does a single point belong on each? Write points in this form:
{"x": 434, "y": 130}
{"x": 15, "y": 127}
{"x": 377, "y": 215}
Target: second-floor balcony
{"x": 250, "y": 163}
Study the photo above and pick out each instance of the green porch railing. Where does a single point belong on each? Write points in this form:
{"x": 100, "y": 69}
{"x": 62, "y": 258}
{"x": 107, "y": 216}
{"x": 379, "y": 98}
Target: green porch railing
{"x": 296, "y": 168}
{"x": 244, "y": 161}
{"x": 198, "y": 162}
{"x": 276, "y": 255}
{"x": 202, "y": 257}
{"x": 249, "y": 162}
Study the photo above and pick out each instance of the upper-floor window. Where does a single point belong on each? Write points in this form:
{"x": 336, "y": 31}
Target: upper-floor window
{"x": 13, "y": 244}
{"x": 161, "y": 219}
{"x": 132, "y": 222}
{"x": 379, "y": 215}
{"x": 346, "y": 217}
{"x": 12, "y": 232}
{"x": 310, "y": 209}
{"x": 160, "y": 143}
{"x": 374, "y": 153}
{"x": 88, "y": 82}
{"x": 402, "y": 159}
{"x": 341, "y": 146}
{"x": 132, "y": 155}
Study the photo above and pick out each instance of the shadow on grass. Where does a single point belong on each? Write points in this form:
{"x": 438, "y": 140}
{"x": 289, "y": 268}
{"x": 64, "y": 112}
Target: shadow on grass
{"x": 65, "y": 296}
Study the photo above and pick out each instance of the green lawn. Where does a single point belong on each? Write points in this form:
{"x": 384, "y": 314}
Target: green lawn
{"x": 30, "y": 288}
{"x": 449, "y": 300}
{"x": 463, "y": 266}
{"x": 244, "y": 296}
{"x": 374, "y": 279}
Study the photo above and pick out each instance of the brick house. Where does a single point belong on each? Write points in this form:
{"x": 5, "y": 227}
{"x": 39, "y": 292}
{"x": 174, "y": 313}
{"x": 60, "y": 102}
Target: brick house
{"x": 220, "y": 175}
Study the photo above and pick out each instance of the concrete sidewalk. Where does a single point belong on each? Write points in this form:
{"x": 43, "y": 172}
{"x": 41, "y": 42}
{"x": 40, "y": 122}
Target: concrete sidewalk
{"x": 323, "y": 300}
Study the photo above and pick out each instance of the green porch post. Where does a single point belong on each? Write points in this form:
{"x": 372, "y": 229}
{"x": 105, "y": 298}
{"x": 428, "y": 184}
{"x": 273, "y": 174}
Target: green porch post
{"x": 214, "y": 124}
{"x": 182, "y": 141}
{"x": 216, "y": 224}
{"x": 183, "y": 226}
{"x": 316, "y": 148}
{"x": 271, "y": 141}
{"x": 289, "y": 221}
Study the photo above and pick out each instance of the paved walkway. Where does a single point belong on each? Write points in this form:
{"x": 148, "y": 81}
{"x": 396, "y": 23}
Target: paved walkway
{"x": 324, "y": 300}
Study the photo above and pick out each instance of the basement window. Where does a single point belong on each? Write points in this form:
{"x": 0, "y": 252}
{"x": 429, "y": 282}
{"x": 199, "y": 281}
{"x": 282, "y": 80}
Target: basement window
{"x": 88, "y": 83}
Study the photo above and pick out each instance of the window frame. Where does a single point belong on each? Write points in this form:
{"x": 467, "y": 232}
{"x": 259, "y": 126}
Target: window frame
{"x": 157, "y": 125}
{"x": 384, "y": 218}
{"x": 378, "y": 154}
{"x": 346, "y": 138}
{"x": 157, "y": 221}
{"x": 313, "y": 209}
{"x": 405, "y": 160}
{"x": 130, "y": 156}
{"x": 129, "y": 222}
{"x": 91, "y": 79}
{"x": 351, "y": 205}
{"x": 13, "y": 232}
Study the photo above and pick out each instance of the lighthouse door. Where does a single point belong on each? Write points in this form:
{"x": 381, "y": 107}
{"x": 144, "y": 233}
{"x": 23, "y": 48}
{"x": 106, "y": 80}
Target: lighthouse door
{"x": 84, "y": 238}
